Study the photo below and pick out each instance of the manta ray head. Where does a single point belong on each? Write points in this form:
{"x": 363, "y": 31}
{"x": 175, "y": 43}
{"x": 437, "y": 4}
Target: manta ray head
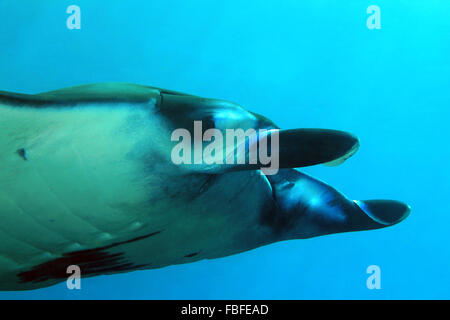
{"x": 303, "y": 206}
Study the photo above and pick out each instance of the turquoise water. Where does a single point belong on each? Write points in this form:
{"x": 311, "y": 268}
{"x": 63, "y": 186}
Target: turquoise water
{"x": 302, "y": 64}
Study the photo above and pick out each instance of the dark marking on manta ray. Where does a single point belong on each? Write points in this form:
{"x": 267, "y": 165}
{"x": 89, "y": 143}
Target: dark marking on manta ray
{"x": 274, "y": 218}
{"x": 49, "y": 100}
{"x": 190, "y": 255}
{"x": 23, "y": 153}
{"x": 208, "y": 183}
{"x": 90, "y": 261}
{"x": 183, "y": 110}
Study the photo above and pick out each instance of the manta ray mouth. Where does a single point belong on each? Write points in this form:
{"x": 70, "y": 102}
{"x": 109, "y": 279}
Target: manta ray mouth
{"x": 384, "y": 212}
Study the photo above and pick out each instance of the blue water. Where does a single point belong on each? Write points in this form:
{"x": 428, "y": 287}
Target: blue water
{"x": 302, "y": 64}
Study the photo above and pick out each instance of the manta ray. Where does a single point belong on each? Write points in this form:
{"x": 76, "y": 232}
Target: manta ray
{"x": 86, "y": 179}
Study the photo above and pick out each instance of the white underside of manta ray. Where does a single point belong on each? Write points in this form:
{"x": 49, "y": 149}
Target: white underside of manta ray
{"x": 86, "y": 179}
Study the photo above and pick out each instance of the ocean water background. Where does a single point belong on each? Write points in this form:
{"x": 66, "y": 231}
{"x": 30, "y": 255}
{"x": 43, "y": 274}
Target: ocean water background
{"x": 302, "y": 64}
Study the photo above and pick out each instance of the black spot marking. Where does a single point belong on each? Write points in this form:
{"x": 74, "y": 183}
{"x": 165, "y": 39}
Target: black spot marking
{"x": 91, "y": 261}
{"x": 190, "y": 255}
{"x": 22, "y": 153}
